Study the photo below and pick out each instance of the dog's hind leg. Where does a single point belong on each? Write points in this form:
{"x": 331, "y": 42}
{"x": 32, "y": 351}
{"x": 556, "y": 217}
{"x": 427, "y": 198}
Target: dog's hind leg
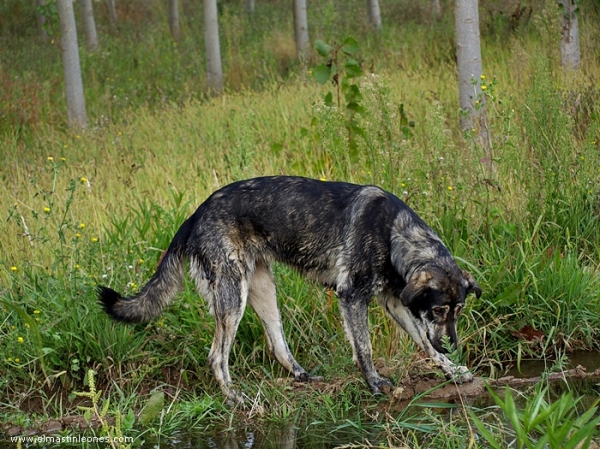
{"x": 227, "y": 302}
{"x": 263, "y": 299}
{"x": 354, "y": 309}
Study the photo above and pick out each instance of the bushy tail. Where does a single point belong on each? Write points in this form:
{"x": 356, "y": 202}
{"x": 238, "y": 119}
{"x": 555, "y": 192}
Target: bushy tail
{"x": 160, "y": 289}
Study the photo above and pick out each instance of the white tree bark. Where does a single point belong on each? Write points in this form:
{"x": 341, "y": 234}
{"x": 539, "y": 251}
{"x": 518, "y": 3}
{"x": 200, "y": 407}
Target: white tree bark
{"x": 301, "y": 29}
{"x": 468, "y": 55}
{"x": 174, "y": 25}
{"x": 374, "y": 14}
{"x": 250, "y": 6}
{"x": 569, "y": 42}
{"x": 212, "y": 46}
{"x": 436, "y": 9}
{"x": 112, "y": 12}
{"x": 70, "y": 56}
{"x": 41, "y": 20}
{"x": 89, "y": 25}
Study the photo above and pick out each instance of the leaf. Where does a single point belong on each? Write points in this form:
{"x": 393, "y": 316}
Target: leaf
{"x": 152, "y": 407}
{"x": 350, "y": 46}
{"x": 329, "y": 100}
{"x": 321, "y": 73}
{"x": 323, "y": 48}
{"x": 353, "y": 69}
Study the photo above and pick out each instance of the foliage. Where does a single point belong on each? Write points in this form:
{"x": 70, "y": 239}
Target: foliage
{"x": 541, "y": 424}
{"x": 102, "y": 206}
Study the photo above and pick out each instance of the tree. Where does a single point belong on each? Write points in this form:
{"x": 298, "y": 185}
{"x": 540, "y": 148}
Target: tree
{"x": 250, "y": 6}
{"x": 468, "y": 55}
{"x": 70, "y": 57}
{"x": 569, "y": 42}
{"x": 212, "y": 46}
{"x": 41, "y": 19}
{"x": 112, "y": 12}
{"x": 89, "y": 25}
{"x": 174, "y": 20}
{"x": 374, "y": 14}
{"x": 301, "y": 29}
{"x": 436, "y": 9}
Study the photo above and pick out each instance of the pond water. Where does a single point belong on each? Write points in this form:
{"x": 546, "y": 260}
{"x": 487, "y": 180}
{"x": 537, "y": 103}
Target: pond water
{"x": 349, "y": 434}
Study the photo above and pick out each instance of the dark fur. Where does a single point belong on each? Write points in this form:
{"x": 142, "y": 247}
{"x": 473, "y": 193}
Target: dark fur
{"x": 360, "y": 241}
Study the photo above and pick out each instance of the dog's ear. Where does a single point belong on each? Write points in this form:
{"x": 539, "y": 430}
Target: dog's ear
{"x": 418, "y": 283}
{"x": 472, "y": 287}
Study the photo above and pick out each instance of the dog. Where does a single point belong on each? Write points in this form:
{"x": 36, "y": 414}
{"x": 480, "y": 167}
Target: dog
{"x": 360, "y": 241}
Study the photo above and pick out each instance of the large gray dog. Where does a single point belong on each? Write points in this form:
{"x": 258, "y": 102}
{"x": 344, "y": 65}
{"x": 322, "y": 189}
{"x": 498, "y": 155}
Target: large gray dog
{"x": 360, "y": 241}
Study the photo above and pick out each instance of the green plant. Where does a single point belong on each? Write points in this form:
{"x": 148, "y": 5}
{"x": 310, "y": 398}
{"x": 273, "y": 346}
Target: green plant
{"x": 540, "y": 424}
{"x": 100, "y": 409}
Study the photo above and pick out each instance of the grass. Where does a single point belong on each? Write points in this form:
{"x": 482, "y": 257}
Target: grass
{"x": 99, "y": 207}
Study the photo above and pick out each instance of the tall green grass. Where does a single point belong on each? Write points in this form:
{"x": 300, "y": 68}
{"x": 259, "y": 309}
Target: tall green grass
{"x": 99, "y": 207}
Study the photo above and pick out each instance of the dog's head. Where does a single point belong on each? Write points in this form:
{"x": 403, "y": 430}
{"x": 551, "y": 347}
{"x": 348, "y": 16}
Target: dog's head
{"x": 435, "y": 297}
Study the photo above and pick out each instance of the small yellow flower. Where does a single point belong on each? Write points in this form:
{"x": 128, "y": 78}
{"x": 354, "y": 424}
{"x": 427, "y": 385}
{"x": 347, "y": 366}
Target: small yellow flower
{"x": 27, "y": 325}
{"x": 47, "y": 209}
{"x": 81, "y": 225}
{"x": 133, "y": 285}
{"x": 17, "y": 360}
{"x": 50, "y": 159}
{"x": 482, "y": 77}
{"x": 20, "y": 339}
{"x": 83, "y": 180}
{"x": 64, "y": 159}
{"x": 450, "y": 188}
{"x": 77, "y": 266}
{"x": 483, "y": 87}
{"x": 323, "y": 178}
{"x": 141, "y": 261}
{"x": 402, "y": 184}
{"x": 9, "y": 359}
{"x": 77, "y": 235}
{"x": 13, "y": 268}
{"x": 94, "y": 239}
{"x": 36, "y": 312}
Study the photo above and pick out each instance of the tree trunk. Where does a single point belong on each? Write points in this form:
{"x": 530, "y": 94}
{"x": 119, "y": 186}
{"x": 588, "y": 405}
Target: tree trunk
{"x": 89, "y": 25}
{"x": 250, "y": 6}
{"x": 374, "y": 14}
{"x": 212, "y": 46}
{"x": 112, "y": 12}
{"x": 41, "y": 20}
{"x": 436, "y": 9}
{"x": 569, "y": 42}
{"x": 174, "y": 20}
{"x": 468, "y": 55}
{"x": 301, "y": 29}
{"x": 70, "y": 56}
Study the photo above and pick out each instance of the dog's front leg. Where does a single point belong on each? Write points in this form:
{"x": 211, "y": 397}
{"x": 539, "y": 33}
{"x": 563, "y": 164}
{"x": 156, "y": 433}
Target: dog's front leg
{"x": 356, "y": 324}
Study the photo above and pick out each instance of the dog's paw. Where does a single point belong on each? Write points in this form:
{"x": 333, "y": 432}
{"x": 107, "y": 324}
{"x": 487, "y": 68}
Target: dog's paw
{"x": 235, "y": 399}
{"x": 380, "y": 385}
{"x": 461, "y": 374}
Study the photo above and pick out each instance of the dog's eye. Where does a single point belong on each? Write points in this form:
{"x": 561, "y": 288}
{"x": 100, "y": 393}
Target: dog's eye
{"x": 441, "y": 312}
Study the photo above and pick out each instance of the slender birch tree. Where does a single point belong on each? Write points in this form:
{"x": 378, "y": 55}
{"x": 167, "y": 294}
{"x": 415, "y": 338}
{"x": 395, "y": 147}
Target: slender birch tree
{"x": 374, "y": 14}
{"x": 76, "y": 113}
{"x": 212, "y": 46}
{"x": 436, "y": 9}
{"x": 89, "y": 25}
{"x": 112, "y": 12}
{"x": 174, "y": 24}
{"x": 41, "y": 20}
{"x": 301, "y": 29}
{"x": 468, "y": 55}
{"x": 569, "y": 42}
{"x": 250, "y": 6}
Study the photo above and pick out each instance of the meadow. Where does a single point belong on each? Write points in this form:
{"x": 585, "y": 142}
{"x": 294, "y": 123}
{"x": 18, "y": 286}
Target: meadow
{"x": 98, "y": 207}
